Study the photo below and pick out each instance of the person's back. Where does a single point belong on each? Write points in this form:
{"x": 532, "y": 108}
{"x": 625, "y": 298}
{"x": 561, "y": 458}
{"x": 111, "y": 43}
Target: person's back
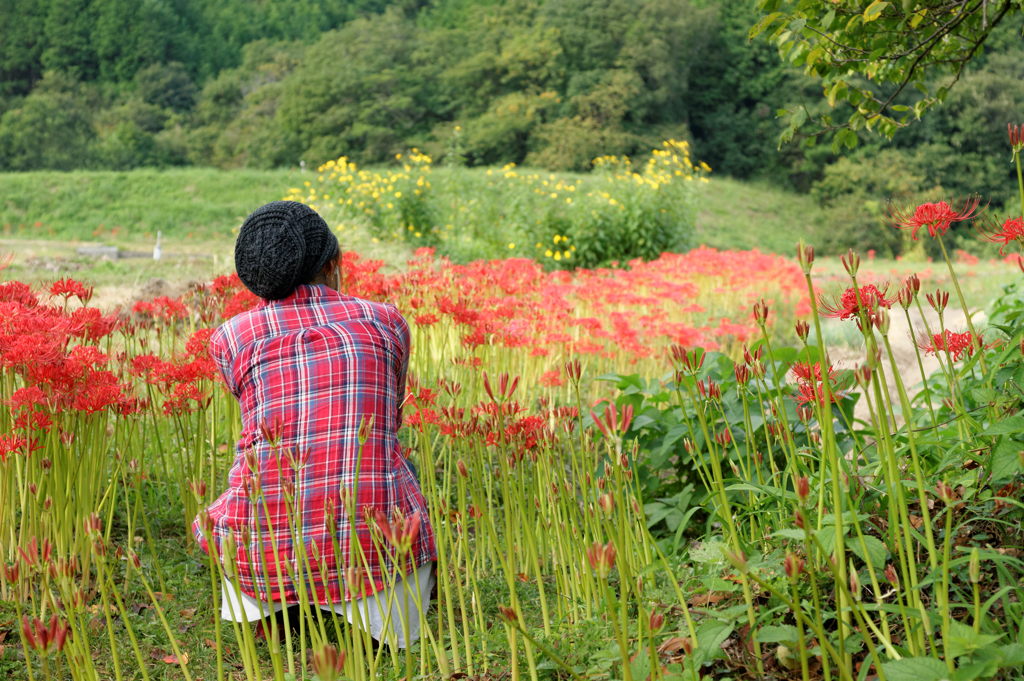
{"x": 308, "y": 368}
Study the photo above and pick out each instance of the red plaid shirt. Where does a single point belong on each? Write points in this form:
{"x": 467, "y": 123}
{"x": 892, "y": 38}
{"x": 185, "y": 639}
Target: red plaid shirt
{"x": 318, "y": 362}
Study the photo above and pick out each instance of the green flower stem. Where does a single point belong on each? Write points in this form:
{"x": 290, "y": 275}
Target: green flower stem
{"x": 942, "y": 595}
{"x": 975, "y": 338}
{"x": 800, "y": 638}
{"x": 828, "y": 446}
{"x": 924, "y": 378}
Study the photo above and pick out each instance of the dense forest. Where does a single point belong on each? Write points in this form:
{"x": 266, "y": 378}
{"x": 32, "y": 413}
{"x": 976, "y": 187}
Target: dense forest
{"x": 118, "y": 84}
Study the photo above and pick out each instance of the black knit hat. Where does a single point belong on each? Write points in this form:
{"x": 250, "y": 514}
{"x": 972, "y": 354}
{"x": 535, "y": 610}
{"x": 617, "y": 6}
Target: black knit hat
{"x": 281, "y": 245}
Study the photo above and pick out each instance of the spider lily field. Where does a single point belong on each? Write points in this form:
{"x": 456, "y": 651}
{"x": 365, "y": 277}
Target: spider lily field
{"x": 648, "y": 471}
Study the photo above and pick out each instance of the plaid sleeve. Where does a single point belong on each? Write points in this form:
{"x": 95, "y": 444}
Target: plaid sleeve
{"x": 400, "y": 327}
{"x": 221, "y": 355}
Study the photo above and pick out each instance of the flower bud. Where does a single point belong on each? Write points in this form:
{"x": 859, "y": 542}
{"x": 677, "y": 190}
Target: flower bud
{"x": 794, "y": 566}
{"x": 881, "y": 320}
{"x": 855, "y": 587}
{"x": 737, "y": 560}
{"x": 656, "y": 622}
{"x": 974, "y": 567}
{"x": 802, "y": 487}
{"x": 802, "y": 329}
{"x": 851, "y": 261}
{"x": 607, "y": 503}
{"x": 805, "y": 256}
{"x": 890, "y": 574}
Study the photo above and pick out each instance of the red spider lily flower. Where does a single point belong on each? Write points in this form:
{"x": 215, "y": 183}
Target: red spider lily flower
{"x": 793, "y": 565}
{"x": 805, "y": 256}
{"x": 691, "y": 361}
{"x": 65, "y": 288}
{"x": 852, "y": 301}
{"x": 802, "y": 330}
{"x": 890, "y": 574}
{"x": 1012, "y": 229}
{"x": 11, "y": 444}
{"x": 42, "y": 638}
{"x": 851, "y": 261}
{"x": 724, "y": 438}
{"x": 761, "y": 313}
{"x": 602, "y": 558}
{"x": 509, "y": 615}
{"x": 328, "y": 663}
{"x": 742, "y": 372}
{"x": 938, "y": 301}
{"x": 810, "y": 386}
{"x": 401, "y": 536}
{"x": 955, "y": 345}
{"x": 574, "y": 370}
{"x": 905, "y": 296}
{"x": 802, "y": 488}
{"x": 656, "y": 622}
{"x": 1016, "y": 137}
{"x": 937, "y": 217}
{"x": 505, "y": 390}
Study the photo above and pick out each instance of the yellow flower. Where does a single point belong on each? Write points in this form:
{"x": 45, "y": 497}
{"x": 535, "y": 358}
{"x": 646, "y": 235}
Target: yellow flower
{"x": 511, "y": 245}
{"x": 306, "y": 183}
{"x": 568, "y": 200}
{"x": 568, "y": 254}
{"x": 538, "y": 244}
{"x": 556, "y": 239}
{"x": 418, "y": 235}
{"x": 558, "y": 256}
{"x": 547, "y": 253}
{"x": 390, "y": 206}
{"x": 398, "y": 195}
{"x": 554, "y": 195}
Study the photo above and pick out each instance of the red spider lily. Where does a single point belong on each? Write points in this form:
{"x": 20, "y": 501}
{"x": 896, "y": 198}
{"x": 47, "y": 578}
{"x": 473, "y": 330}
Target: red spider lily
{"x": 65, "y": 288}
{"x": 1016, "y": 137}
{"x": 802, "y": 330}
{"x": 938, "y": 301}
{"x": 955, "y": 345}
{"x": 852, "y": 301}
{"x": 851, "y": 261}
{"x": 890, "y": 575}
{"x": 810, "y": 386}
{"x": 793, "y": 565}
{"x": 402, "y": 533}
{"x": 1012, "y": 229}
{"x": 802, "y": 488}
{"x": 937, "y": 217}
{"x": 612, "y": 425}
{"x": 805, "y": 256}
{"x": 761, "y": 313}
{"x": 509, "y": 615}
{"x": 602, "y": 558}
{"x": 44, "y": 639}
{"x": 328, "y": 663}
{"x": 505, "y": 389}
{"x": 691, "y": 360}
{"x": 11, "y": 444}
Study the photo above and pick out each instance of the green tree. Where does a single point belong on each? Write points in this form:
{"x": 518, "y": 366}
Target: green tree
{"x": 51, "y": 129}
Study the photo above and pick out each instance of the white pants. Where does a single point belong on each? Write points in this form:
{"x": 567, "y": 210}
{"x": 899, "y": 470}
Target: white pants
{"x": 372, "y": 609}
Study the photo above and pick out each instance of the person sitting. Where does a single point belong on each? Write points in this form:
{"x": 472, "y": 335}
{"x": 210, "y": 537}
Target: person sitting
{"x": 308, "y": 366}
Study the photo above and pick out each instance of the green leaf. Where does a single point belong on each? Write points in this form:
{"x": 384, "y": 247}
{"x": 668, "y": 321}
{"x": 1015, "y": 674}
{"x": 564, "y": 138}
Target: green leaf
{"x": 915, "y": 669}
{"x": 874, "y": 10}
{"x": 785, "y": 633}
{"x": 790, "y": 534}
{"x": 964, "y": 641}
{"x": 1007, "y": 426}
{"x": 710, "y": 636}
{"x": 1006, "y": 459}
{"x": 1012, "y": 654}
{"x": 876, "y": 550}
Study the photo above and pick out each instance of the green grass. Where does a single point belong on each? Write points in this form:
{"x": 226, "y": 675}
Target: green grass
{"x": 203, "y": 202}
{"x": 743, "y": 215}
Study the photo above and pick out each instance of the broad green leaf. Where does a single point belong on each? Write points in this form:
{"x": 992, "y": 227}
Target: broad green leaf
{"x": 876, "y": 550}
{"x": 710, "y": 636}
{"x": 785, "y": 633}
{"x": 915, "y": 669}
{"x": 1006, "y": 459}
{"x": 1007, "y": 426}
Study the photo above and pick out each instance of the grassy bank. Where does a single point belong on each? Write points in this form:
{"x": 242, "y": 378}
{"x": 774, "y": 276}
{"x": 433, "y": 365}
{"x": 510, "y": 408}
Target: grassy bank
{"x": 204, "y": 204}
{"x": 130, "y": 207}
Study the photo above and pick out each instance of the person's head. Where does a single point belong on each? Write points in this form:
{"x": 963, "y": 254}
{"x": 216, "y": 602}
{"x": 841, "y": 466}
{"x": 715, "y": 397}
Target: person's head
{"x": 284, "y": 244}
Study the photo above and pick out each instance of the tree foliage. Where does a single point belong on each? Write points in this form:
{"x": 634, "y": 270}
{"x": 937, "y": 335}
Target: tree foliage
{"x": 873, "y": 54}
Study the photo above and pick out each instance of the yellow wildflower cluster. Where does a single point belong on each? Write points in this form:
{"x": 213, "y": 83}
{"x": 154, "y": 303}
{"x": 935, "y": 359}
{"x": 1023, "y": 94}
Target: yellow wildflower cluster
{"x": 343, "y": 193}
{"x": 559, "y": 248}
